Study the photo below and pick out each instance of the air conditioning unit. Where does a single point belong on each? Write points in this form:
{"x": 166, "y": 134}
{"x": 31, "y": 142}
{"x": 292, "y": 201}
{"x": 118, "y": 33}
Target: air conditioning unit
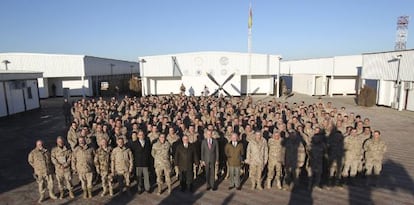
{"x": 408, "y": 85}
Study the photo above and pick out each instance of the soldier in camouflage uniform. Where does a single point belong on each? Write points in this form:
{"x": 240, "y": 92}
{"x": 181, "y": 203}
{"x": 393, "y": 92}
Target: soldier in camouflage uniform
{"x": 173, "y": 139}
{"x": 82, "y": 163}
{"x": 374, "y": 154}
{"x": 61, "y": 158}
{"x": 295, "y": 156}
{"x": 100, "y": 135}
{"x": 316, "y": 154}
{"x": 335, "y": 148}
{"x": 72, "y": 136}
{"x": 257, "y": 156}
{"x": 161, "y": 153}
{"x": 353, "y": 147}
{"x": 276, "y": 160}
{"x": 39, "y": 159}
{"x": 154, "y": 134}
{"x": 103, "y": 166}
{"x": 122, "y": 164}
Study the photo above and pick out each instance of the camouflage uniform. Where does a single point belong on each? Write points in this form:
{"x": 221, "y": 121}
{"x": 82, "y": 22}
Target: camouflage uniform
{"x": 276, "y": 160}
{"x": 316, "y": 154}
{"x": 375, "y": 149}
{"x": 82, "y": 163}
{"x": 172, "y": 139}
{"x": 103, "y": 167}
{"x": 102, "y": 135}
{"x": 61, "y": 158}
{"x": 161, "y": 153}
{"x": 257, "y": 156}
{"x": 40, "y": 161}
{"x": 335, "y": 144}
{"x": 153, "y": 137}
{"x": 353, "y": 147}
{"x": 72, "y": 138}
{"x": 121, "y": 165}
{"x": 295, "y": 156}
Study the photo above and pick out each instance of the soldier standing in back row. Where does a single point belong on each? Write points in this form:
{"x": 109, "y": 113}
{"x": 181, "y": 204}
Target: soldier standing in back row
{"x": 39, "y": 159}
{"x": 374, "y": 154}
{"x": 82, "y": 163}
{"x": 103, "y": 166}
{"x": 161, "y": 153}
{"x": 72, "y": 136}
{"x": 61, "y": 158}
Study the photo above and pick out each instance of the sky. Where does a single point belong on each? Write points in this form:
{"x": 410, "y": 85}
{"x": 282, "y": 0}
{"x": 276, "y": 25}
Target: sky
{"x": 127, "y": 29}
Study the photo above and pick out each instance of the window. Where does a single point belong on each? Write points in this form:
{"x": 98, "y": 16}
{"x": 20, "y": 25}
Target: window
{"x": 29, "y": 93}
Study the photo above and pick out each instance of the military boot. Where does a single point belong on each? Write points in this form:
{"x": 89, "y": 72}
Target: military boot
{"x": 176, "y": 170}
{"x": 71, "y": 195}
{"x": 159, "y": 188}
{"x": 253, "y": 186}
{"x": 85, "y": 194}
{"x": 278, "y": 184}
{"x": 89, "y": 193}
{"x": 41, "y": 198}
{"x": 169, "y": 188}
{"x": 268, "y": 184}
{"x": 61, "y": 194}
{"x": 259, "y": 186}
{"x": 104, "y": 191}
{"x": 52, "y": 195}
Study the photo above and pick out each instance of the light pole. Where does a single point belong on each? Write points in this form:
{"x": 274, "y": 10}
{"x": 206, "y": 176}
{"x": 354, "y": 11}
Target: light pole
{"x": 398, "y": 86}
{"x": 278, "y": 78}
{"x": 143, "y": 81}
{"x": 6, "y": 62}
{"x": 397, "y": 92}
{"x": 112, "y": 68}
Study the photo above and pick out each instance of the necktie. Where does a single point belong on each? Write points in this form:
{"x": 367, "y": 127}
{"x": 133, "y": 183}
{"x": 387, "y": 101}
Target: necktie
{"x": 209, "y": 143}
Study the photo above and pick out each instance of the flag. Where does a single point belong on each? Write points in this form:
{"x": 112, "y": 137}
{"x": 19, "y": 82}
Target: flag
{"x": 250, "y": 22}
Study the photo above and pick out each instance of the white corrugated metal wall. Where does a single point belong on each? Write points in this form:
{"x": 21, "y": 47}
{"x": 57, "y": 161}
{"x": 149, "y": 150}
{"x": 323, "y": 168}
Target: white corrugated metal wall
{"x": 384, "y": 68}
{"x": 3, "y": 103}
{"x": 194, "y": 66}
{"x": 344, "y": 70}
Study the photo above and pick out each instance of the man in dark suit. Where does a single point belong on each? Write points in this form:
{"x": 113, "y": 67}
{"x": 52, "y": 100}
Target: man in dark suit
{"x": 141, "y": 150}
{"x": 209, "y": 158}
{"x": 185, "y": 157}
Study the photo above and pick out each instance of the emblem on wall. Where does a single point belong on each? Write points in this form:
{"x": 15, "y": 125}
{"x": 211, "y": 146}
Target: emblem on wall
{"x": 224, "y": 60}
{"x": 198, "y": 61}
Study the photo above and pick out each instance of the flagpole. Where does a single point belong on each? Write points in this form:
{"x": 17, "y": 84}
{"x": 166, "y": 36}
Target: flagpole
{"x": 249, "y": 49}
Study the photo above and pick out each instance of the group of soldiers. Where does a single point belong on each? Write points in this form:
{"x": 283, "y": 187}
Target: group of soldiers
{"x": 267, "y": 141}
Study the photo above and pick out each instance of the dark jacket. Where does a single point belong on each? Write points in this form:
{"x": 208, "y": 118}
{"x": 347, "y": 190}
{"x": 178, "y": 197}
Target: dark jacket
{"x": 142, "y": 155}
{"x": 185, "y": 157}
{"x": 209, "y": 155}
{"x": 234, "y": 154}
